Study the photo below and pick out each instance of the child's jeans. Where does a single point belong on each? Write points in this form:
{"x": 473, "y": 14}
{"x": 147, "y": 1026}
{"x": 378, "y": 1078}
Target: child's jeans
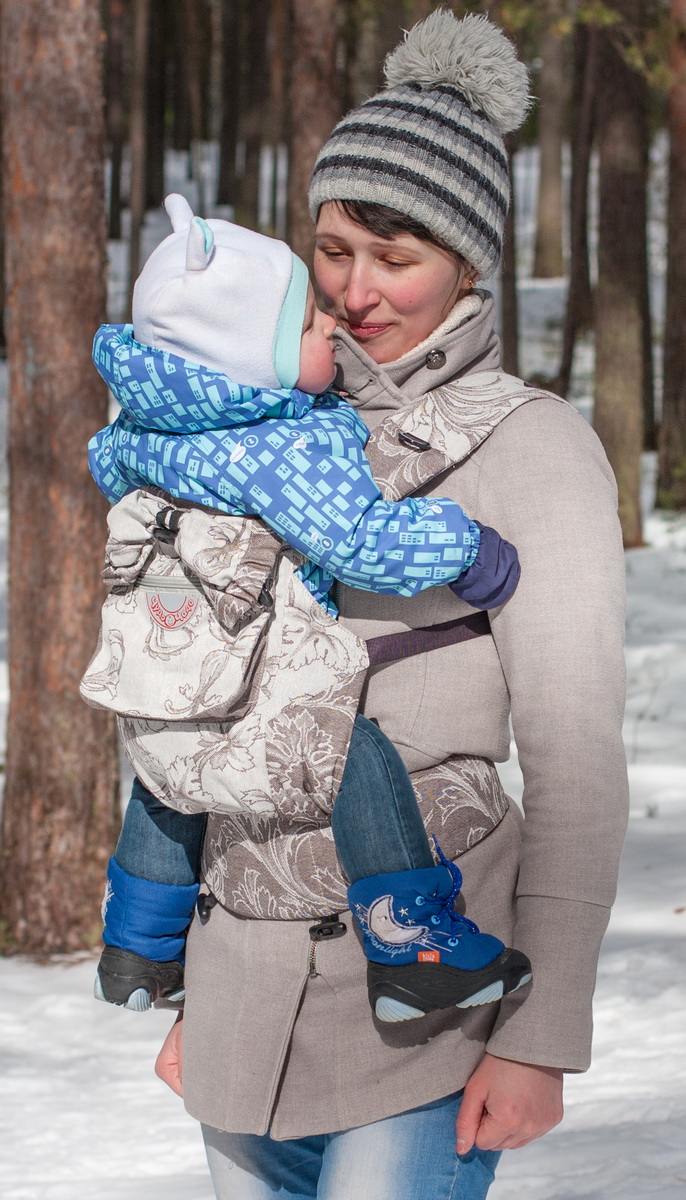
{"x": 376, "y": 822}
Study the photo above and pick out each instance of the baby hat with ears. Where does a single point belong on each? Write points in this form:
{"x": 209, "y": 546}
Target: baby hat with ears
{"x": 224, "y": 297}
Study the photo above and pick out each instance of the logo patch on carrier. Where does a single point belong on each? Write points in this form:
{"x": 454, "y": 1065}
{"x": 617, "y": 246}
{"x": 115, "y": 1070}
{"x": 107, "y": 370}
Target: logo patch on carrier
{"x": 429, "y": 956}
{"x": 171, "y": 610}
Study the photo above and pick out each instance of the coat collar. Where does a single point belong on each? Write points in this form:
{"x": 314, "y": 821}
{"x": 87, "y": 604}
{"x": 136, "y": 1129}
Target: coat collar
{"x": 466, "y": 338}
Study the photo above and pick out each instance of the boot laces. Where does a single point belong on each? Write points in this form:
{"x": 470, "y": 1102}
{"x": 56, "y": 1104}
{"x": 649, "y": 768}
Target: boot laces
{"x": 458, "y": 923}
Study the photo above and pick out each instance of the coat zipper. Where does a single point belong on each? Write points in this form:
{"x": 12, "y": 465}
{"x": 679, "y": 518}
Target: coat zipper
{"x": 327, "y": 927}
{"x": 312, "y": 960}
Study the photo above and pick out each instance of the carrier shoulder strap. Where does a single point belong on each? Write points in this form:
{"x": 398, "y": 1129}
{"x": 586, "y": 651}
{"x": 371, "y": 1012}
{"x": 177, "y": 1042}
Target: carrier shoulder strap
{"x": 415, "y": 445}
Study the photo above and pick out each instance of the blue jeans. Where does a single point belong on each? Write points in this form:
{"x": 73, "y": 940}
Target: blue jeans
{"x": 408, "y": 1157}
{"x": 376, "y": 822}
{"x": 158, "y": 843}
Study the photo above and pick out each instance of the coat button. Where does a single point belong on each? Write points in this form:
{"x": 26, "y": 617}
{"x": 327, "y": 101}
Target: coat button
{"x": 435, "y": 359}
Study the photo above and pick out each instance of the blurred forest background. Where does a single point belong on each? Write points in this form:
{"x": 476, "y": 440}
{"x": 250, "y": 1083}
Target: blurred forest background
{"x": 105, "y": 104}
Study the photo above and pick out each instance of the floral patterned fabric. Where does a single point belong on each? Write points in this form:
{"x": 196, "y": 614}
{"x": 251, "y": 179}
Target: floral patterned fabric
{"x": 245, "y": 711}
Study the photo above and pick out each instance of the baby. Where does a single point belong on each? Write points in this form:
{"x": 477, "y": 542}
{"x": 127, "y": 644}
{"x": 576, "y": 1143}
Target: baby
{"x": 223, "y": 385}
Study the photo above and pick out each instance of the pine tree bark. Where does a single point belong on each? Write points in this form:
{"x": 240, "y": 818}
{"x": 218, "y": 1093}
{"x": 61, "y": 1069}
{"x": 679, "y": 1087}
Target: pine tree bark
{"x": 314, "y": 106}
{"x": 227, "y": 183}
{"x": 60, "y": 799}
{"x": 350, "y": 29}
{"x": 193, "y": 14}
{"x": 579, "y": 307}
{"x": 138, "y": 131}
{"x": 181, "y": 122}
{"x": 508, "y": 277}
{"x": 275, "y": 125}
{"x": 672, "y": 446}
{"x": 419, "y": 9}
{"x": 3, "y": 345}
{"x": 392, "y": 17}
{"x": 115, "y": 111}
{"x": 155, "y": 106}
{"x": 255, "y": 100}
{"x": 622, "y": 272}
{"x": 548, "y": 257}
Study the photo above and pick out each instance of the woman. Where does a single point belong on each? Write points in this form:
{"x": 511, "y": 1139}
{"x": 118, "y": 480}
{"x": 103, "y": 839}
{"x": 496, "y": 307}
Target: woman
{"x": 409, "y": 197}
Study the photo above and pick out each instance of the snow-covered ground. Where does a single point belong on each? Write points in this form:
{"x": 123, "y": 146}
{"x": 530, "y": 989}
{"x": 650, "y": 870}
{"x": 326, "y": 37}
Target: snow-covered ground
{"x": 82, "y": 1116}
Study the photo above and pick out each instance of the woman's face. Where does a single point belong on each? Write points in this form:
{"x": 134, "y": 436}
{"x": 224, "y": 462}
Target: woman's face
{"x": 389, "y": 294}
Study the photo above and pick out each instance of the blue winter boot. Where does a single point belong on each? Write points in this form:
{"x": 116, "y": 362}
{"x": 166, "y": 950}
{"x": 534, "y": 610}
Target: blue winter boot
{"x": 145, "y": 940}
{"x": 422, "y": 954}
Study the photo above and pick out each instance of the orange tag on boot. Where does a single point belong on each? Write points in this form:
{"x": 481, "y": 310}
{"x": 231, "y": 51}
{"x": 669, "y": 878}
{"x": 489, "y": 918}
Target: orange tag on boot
{"x": 429, "y": 956}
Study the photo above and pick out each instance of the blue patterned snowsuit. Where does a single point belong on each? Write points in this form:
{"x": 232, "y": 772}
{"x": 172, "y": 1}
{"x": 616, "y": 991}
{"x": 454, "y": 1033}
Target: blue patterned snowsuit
{"x": 293, "y": 459}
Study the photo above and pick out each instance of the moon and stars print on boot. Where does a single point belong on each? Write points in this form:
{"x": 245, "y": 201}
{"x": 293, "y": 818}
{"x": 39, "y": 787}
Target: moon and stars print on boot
{"x": 422, "y": 954}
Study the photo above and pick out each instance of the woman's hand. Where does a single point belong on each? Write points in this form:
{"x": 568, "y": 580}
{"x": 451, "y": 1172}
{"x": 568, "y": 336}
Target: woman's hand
{"x": 508, "y": 1104}
{"x": 169, "y": 1063}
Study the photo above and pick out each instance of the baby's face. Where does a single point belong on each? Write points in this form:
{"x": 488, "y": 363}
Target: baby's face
{"x": 317, "y": 366}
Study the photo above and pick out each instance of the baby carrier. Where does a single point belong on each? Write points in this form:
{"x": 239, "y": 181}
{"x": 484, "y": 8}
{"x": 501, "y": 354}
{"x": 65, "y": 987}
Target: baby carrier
{"x": 235, "y": 691}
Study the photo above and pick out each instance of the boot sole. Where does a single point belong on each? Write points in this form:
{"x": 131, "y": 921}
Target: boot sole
{"x": 127, "y": 981}
{"x": 407, "y": 992}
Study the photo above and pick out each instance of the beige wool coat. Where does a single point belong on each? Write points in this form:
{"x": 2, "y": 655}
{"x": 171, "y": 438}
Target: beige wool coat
{"x": 277, "y": 1039}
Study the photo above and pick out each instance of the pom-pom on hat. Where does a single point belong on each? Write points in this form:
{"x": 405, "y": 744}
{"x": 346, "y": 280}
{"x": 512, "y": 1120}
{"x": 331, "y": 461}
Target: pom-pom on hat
{"x": 430, "y": 145}
{"x": 224, "y": 297}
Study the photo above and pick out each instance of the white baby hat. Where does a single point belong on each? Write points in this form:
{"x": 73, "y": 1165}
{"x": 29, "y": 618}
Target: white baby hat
{"x": 224, "y": 297}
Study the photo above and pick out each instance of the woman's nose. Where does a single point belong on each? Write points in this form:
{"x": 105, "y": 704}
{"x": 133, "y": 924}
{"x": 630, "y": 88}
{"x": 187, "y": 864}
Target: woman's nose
{"x": 361, "y": 292}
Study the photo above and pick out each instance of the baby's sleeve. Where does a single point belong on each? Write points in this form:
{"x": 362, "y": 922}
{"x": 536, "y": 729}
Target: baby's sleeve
{"x": 329, "y": 507}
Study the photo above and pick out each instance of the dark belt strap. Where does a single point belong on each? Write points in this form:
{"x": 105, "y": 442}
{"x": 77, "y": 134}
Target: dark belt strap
{"x": 391, "y": 647}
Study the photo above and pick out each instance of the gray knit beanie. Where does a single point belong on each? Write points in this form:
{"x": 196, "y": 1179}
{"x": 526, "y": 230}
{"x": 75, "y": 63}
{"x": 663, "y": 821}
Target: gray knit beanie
{"x": 430, "y": 145}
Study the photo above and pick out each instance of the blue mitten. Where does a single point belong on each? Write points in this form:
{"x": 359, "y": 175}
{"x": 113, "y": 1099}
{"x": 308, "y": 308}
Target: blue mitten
{"x": 493, "y": 576}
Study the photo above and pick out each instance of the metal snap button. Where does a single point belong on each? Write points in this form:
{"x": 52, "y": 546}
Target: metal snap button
{"x": 435, "y": 359}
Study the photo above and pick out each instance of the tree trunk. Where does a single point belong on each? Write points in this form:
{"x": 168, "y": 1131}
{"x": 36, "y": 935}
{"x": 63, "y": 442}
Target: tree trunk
{"x": 3, "y": 340}
{"x": 671, "y": 491}
{"x": 227, "y": 184}
{"x": 579, "y": 307}
{"x": 392, "y": 17}
{"x": 276, "y": 132}
{"x": 650, "y": 429}
{"x": 216, "y": 55}
{"x": 193, "y": 12}
{"x": 155, "y": 106}
{"x": 508, "y": 277}
{"x": 141, "y": 21}
{"x": 115, "y": 111}
{"x": 622, "y": 272}
{"x": 181, "y": 123}
{"x": 255, "y": 98}
{"x": 418, "y": 10}
{"x": 548, "y": 258}
{"x": 350, "y": 30}
{"x": 314, "y": 106}
{"x": 60, "y": 799}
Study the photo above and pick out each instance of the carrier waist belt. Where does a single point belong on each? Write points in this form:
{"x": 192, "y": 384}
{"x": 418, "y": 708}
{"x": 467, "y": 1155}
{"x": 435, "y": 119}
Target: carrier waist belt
{"x": 391, "y": 647}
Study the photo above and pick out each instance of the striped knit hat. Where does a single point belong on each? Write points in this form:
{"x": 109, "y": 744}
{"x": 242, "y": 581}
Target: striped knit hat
{"x": 430, "y": 145}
